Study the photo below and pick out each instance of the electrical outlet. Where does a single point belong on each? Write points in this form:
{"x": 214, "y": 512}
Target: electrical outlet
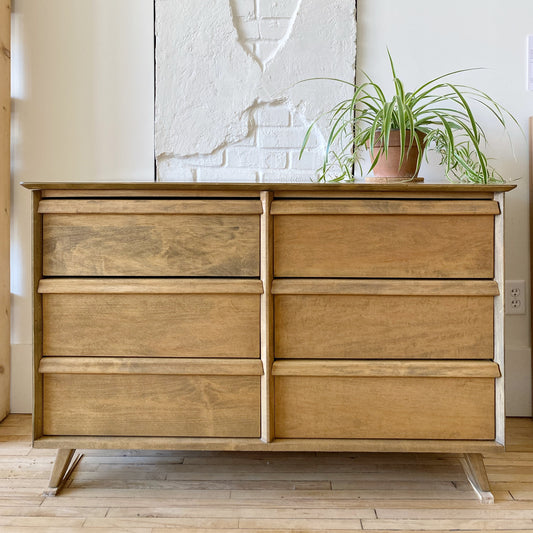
{"x": 515, "y": 297}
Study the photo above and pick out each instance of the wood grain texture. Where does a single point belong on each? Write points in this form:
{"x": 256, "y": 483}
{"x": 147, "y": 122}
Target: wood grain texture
{"x": 157, "y": 325}
{"x": 159, "y": 193}
{"x": 150, "y": 365}
{"x": 150, "y": 245}
{"x": 384, "y": 408}
{"x": 384, "y": 207}
{"x": 152, "y": 207}
{"x": 5, "y": 199}
{"x": 377, "y": 368}
{"x": 277, "y": 445}
{"x": 151, "y": 405}
{"x": 267, "y": 321}
{"x": 359, "y": 194}
{"x": 389, "y": 287}
{"x": 428, "y": 189}
{"x": 384, "y": 246}
{"x": 377, "y": 327}
{"x": 149, "y": 286}
{"x": 37, "y": 272}
{"x": 296, "y": 192}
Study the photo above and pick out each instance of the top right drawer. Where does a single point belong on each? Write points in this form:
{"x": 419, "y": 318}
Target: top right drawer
{"x": 384, "y": 238}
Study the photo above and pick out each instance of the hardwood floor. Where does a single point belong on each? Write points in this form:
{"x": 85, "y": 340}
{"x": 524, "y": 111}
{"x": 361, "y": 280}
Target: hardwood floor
{"x": 152, "y": 492}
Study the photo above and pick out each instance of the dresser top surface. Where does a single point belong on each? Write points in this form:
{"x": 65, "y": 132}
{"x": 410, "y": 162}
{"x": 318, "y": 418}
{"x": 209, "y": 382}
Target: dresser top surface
{"x": 423, "y": 188}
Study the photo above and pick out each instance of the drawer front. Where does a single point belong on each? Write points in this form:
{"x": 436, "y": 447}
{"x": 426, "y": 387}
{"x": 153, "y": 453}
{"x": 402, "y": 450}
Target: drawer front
{"x": 332, "y": 407}
{"x": 124, "y": 241}
{"x": 149, "y": 324}
{"x": 132, "y": 404}
{"x": 384, "y": 241}
{"x": 409, "y": 325}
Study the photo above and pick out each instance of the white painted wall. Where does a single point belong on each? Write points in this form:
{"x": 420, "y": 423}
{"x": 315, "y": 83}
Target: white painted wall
{"x": 82, "y": 111}
{"x": 427, "y": 39}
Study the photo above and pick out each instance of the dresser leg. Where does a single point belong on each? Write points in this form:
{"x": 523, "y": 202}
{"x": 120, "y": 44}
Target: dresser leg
{"x": 474, "y": 468}
{"x": 61, "y": 471}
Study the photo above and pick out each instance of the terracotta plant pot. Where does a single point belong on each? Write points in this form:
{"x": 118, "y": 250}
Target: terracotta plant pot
{"x": 388, "y": 168}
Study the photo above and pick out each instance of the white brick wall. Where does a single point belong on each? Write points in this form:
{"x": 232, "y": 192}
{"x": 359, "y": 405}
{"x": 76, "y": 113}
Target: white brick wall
{"x": 262, "y": 25}
{"x": 270, "y": 153}
{"x": 286, "y": 42}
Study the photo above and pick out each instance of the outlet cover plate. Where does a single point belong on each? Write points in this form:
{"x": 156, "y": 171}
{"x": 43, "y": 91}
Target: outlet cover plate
{"x": 515, "y": 297}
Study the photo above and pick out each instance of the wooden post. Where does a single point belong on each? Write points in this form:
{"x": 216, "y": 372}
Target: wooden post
{"x": 267, "y": 348}
{"x": 5, "y": 295}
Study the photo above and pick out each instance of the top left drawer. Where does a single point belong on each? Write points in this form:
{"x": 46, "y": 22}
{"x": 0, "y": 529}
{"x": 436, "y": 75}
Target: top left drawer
{"x": 138, "y": 237}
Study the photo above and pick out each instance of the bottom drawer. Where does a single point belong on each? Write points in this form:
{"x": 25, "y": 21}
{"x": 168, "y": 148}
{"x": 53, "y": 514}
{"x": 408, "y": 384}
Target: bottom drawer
{"x": 385, "y": 399}
{"x": 186, "y": 398}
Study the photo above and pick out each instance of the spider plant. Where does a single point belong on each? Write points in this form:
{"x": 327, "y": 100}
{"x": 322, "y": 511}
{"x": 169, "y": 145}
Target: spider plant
{"x": 438, "y": 111}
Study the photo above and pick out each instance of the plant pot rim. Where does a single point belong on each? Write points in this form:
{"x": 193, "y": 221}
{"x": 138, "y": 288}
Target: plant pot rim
{"x": 394, "y": 135}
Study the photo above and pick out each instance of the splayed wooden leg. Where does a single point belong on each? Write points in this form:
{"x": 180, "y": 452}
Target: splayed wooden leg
{"x": 61, "y": 471}
{"x": 474, "y": 468}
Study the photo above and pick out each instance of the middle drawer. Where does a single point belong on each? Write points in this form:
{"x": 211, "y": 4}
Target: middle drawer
{"x": 151, "y": 317}
{"x": 378, "y": 319}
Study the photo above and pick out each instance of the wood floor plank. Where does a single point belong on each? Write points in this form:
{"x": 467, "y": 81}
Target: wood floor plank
{"x": 289, "y": 524}
{"x": 62, "y": 529}
{"x": 358, "y": 494}
{"x": 69, "y": 512}
{"x": 411, "y": 530}
{"x": 42, "y": 452}
{"x": 518, "y": 494}
{"x": 402, "y": 485}
{"x": 23, "y": 474}
{"x": 252, "y": 530}
{"x": 448, "y": 525}
{"x": 16, "y": 448}
{"x": 485, "y": 530}
{"x": 40, "y": 521}
{"x": 222, "y": 485}
{"x": 105, "y": 476}
{"x": 114, "y": 522}
{"x": 266, "y": 467}
{"x": 486, "y": 512}
{"x": 150, "y": 493}
{"x": 31, "y": 502}
{"x": 132, "y": 460}
{"x": 20, "y": 493}
{"x": 23, "y": 483}
{"x": 255, "y": 512}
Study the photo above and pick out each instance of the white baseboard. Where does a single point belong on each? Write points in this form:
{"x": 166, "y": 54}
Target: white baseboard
{"x": 21, "y": 378}
{"x": 518, "y": 400}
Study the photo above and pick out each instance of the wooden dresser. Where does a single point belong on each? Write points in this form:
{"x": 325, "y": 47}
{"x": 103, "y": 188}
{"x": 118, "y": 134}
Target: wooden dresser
{"x": 295, "y": 317}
